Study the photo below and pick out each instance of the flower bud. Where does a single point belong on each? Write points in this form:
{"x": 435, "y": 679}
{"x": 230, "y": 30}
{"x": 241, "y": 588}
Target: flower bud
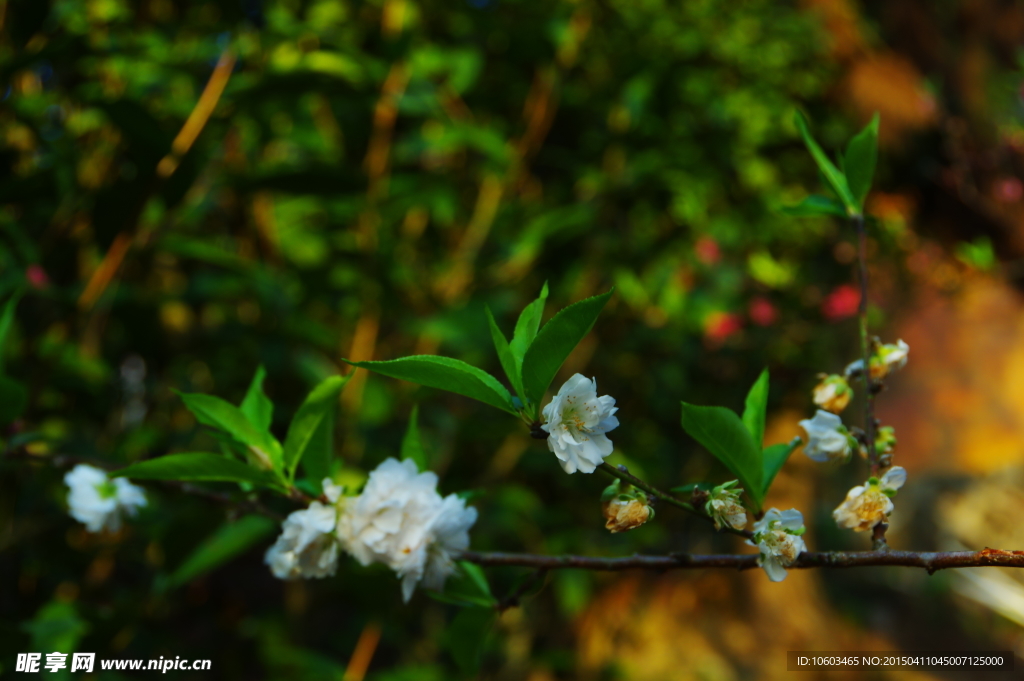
{"x": 724, "y": 506}
{"x": 833, "y": 393}
{"x": 624, "y": 507}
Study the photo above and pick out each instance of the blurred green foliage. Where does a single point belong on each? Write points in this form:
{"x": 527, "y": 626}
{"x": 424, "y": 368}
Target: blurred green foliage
{"x": 373, "y": 175}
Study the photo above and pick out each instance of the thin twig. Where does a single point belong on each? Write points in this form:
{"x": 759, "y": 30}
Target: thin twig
{"x": 865, "y": 344}
{"x": 626, "y": 476}
{"x": 930, "y": 561}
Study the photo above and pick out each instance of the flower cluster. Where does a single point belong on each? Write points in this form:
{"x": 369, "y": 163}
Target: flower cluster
{"x": 399, "y": 519}
{"x": 98, "y": 501}
{"x": 777, "y": 537}
{"x": 576, "y": 421}
{"x": 867, "y": 505}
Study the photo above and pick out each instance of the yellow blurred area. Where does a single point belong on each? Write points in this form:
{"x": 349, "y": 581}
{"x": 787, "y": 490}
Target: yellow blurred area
{"x": 957, "y": 405}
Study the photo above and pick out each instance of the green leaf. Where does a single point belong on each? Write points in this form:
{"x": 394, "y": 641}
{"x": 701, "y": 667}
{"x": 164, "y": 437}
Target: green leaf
{"x": 321, "y": 402}
{"x": 6, "y": 320}
{"x": 689, "y": 487}
{"x": 555, "y": 341}
{"x": 57, "y": 626}
{"x": 772, "y": 460}
{"x": 833, "y": 176}
{"x": 256, "y": 406}
{"x": 755, "y": 407}
{"x": 508, "y": 360}
{"x": 229, "y": 540}
{"x": 412, "y": 445}
{"x": 723, "y": 434}
{"x": 445, "y": 373}
{"x": 217, "y": 413}
{"x": 861, "y": 156}
{"x": 815, "y": 206}
{"x": 208, "y": 467}
{"x": 467, "y": 636}
{"x": 13, "y": 399}
{"x": 527, "y": 326}
{"x": 467, "y": 587}
{"x": 316, "y": 462}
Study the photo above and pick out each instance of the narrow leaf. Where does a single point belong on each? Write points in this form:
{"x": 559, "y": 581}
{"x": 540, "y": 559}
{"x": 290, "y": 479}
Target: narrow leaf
{"x": 467, "y": 636}
{"x": 861, "y": 156}
{"x": 555, "y": 341}
{"x": 316, "y": 462}
{"x": 256, "y": 406}
{"x": 755, "y": 407}
{"x": 225, "y": 543}
{"x": 217, "y": 413}
{"x": 815, "y": 206}
{"x": 6, "y": 320}
{"x": 211, "y": 467}
{"x": 723, "y": 434}
{"x": 322, "y": 401}
{"x": 773, "y": 458}
{"x": 445, "y": 373}
{"x": 412, "y": 445}
{"x": 505, "y": 356}
{"x": 833, "y": 176}
{"x": 527, "y": 326}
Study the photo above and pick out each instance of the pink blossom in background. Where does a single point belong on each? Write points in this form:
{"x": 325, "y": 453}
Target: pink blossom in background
{"x": 720, "y": 325}
{"x": 1009, "y": 190}
{"x": 36, "y": 277}
{"x": 841, "y": 303}
{"x": 707, "y": 250}
{"x": 762, "y": 312}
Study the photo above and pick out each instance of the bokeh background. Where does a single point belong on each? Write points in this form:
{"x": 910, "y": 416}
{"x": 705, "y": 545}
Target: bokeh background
{"x": 191, "y": 189}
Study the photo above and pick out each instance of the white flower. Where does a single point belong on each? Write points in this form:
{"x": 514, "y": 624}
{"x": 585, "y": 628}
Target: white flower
{"x": 827, "y": 438}
{"x": 869, "y": 504}
{"x": 724, "y": 506}
{"x": 576, "y": 421}
{"x": 886, "y": 359}
{"x": 308, "y": 546}
{"x": 400, "y": 520}
{"x": 98, "y": 501}
{"x": 894, "y": 356}
{"x": 777, "y": 537}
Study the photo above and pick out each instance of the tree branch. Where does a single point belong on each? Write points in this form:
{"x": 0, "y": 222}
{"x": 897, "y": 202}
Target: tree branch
{"x": 930, "y": 561}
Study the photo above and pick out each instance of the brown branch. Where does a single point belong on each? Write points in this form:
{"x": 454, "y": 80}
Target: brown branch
{"x": 626, "y": 476}
{"x": 930, "y": 561}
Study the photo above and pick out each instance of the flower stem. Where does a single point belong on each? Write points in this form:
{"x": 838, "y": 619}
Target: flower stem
{"x": 622, "y": 474}
{"x": 865, "y": 344}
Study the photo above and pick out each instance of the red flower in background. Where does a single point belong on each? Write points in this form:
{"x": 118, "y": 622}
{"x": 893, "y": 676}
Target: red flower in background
{"x": 36, "y": 277}
{"x": 720, "y": 325}
{"x": 841, "y": 303}
{"x": 762, "y": 312}
{"x": 707, "y": 250}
